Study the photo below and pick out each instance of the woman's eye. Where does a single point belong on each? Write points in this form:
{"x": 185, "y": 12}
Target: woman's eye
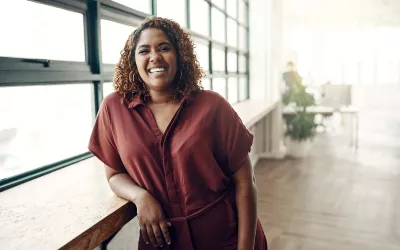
{"x": 164, "y": 49}
{"x": 143, "y": 51}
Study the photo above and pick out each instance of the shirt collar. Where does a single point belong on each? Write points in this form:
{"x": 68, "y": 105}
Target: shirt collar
{"x": 138, "y": 100}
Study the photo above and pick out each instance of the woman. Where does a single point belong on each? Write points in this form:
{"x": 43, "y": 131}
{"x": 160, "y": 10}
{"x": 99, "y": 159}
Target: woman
{"x": 179, "y": 153}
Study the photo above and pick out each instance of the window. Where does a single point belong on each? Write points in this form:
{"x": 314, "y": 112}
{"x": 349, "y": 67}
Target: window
{"x": 54, "y": 126}
{"x": 242, "y": 12}
{"x": 242, "y": 38}
{"x": 218, "y": 27}
{"x": 173, "y": 9}
{"x": 231, "y": 8}
{"x": 232, "y": 62}
{"x": 242, "y": 64}
{"x": 206, "y": 84}
{"x": 243, "y": 89}
{"x": 140, "y": 5}
{"x": 199, "y": 15}
{"x": 107, "y": 88}
{"x": 41, "y": 32}
{"x": 232, "y": 33}
{"x": 218, "y": 60}
{"x": 202, "y": 55}
{"x": 113, "y": 38}
{"x": 219, "y": 86}
{"x": 219, "y": 3}
{"x": 233, "y": 90}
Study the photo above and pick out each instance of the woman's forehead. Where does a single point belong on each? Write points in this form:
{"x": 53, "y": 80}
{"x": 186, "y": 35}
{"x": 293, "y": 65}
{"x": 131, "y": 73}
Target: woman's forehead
{"x": 152, "y": 36}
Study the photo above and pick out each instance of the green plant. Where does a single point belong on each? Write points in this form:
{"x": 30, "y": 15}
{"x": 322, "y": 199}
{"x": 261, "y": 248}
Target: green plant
{"x": 300, "y": 124}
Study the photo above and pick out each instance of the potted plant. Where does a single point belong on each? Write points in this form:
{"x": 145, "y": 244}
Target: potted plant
{"x": 300, "y": 125}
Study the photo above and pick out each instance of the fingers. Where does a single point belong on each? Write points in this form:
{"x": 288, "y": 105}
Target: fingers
{"x": 158, "y": 234}
{"x": 151, "y": 236}
{"x": 164, "y": 229}
{"x": 143, "y": 231}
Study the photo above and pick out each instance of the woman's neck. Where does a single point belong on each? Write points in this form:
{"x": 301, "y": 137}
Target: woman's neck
{"x": 160, "y": 97}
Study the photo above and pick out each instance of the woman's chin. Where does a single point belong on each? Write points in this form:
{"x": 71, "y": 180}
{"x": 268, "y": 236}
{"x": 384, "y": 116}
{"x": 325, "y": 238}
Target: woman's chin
{"x": 160, "y": 84}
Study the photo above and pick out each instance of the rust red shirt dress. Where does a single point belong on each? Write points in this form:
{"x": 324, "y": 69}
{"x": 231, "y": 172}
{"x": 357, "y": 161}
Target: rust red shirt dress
{"x": 188, "y": 169}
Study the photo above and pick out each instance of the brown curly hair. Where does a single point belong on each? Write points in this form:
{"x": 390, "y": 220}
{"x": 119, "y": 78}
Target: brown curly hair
{"x": 127, "y": 80}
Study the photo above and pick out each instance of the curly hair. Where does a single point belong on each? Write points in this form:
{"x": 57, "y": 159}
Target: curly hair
{"x": 127, "y": 80}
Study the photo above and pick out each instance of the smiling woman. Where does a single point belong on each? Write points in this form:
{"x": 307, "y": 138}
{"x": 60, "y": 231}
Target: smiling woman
{"x": 178, "y": 152}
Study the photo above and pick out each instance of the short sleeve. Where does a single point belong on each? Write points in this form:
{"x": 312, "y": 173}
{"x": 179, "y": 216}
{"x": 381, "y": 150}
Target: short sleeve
{"x": 234, "y": 140}
{"x": 101, "y": 142}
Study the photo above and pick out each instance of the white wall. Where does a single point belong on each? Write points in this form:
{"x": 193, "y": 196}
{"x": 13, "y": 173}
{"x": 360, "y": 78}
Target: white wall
{"x": 265, "y": 49}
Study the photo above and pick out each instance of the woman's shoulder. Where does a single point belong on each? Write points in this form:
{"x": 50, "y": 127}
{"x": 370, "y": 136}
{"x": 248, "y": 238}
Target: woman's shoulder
{"x": 112, "y": 100}
{"x": 208, "y": 96}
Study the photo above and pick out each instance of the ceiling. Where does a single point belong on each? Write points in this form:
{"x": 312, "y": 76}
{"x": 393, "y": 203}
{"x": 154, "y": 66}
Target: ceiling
{"x": 342, "y": 12}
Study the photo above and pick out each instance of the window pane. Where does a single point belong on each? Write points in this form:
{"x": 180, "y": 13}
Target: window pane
{"x": 140, "y": 5}
{"x": 113, "y": 38}
{"x": 199, "y": 16}
{"x": 242, "y": 38}
{"x": 206, "y": 84}
{"x": 218, "y": 27}
{"x": 242, "y": 64}
{"x": 219, "y": 3}
{"x": 107, "y": 88}
{"x": 219, "y": 86}
{"x": 243, "y": 94}
{"x": 173, "y": 9}
{"x": 232, "y": 62}
{"x": 202, "y": 55}
{"x": 231, "y": 8}
{"x": 232, "y": 33}
{"x": 32, "y": 30}
{"x": 233, "y": 90}
{"x": 54, "y": 126}
{"x": 218, "y": 59}
{"x": 242, "y": 12}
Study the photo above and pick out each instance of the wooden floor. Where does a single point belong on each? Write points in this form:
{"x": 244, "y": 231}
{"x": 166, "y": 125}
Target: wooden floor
{"x": 335, "y": 198}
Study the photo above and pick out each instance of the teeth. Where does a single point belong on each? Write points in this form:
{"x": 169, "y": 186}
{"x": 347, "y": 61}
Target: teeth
{"x": 157, "y": 70}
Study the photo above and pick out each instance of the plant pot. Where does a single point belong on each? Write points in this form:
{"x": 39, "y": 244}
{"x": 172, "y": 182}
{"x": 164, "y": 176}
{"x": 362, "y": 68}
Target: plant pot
{"x": 297, "y": 149}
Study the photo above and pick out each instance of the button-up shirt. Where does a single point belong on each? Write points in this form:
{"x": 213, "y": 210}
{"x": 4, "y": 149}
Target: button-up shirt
{"x": 188, "y": 169}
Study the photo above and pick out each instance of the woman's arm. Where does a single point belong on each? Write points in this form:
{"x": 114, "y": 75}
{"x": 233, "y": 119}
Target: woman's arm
{"x": 246, "y": 203}
{"x": 151, "y": 217}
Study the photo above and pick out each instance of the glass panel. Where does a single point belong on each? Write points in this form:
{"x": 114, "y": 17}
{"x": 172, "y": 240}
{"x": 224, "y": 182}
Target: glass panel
{"x": 173, "y": 9}
{"x": 242, "y": 38}
{"x": 57, "y": 125}
{"x": 107, "y": 88}
{"x": 242, "y": 12}
{"x": 219, "y": 86}
{"x": 140, "y": 5}
{"x": 231, "y": 8}
{"x": 32, "y": 30}
{"x": 202, "y": 55}
{"x": 218, "y": 27}
{"x": 367, "y": 72}
{"x": 199, "y": 16}
{"x": 219, "y": 3}
{"x": 206, "y": 84}
{"x": 243, "y": 94}
{"x": 113, "y": 38}
{"x": 232, "y": 62}
{"x": 218, "y": 59}
{"x": 232, "y": 33}
{"x": 242, "y": 64}
{"x": 233, "y": 90}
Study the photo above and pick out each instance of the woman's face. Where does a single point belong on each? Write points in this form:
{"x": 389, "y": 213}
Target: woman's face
{"x": 156, "y": 59}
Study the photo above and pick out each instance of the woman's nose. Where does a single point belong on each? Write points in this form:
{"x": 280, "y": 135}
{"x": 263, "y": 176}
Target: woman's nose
{"x": 155, "y": 57}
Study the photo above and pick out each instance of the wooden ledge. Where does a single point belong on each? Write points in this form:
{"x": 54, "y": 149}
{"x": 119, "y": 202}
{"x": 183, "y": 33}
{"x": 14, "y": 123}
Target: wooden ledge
{"x": 74, "y": 208}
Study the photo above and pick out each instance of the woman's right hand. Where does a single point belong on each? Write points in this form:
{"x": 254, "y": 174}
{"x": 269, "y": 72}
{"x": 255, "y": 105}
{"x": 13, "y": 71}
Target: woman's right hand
{"x": 153, "y": 225}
